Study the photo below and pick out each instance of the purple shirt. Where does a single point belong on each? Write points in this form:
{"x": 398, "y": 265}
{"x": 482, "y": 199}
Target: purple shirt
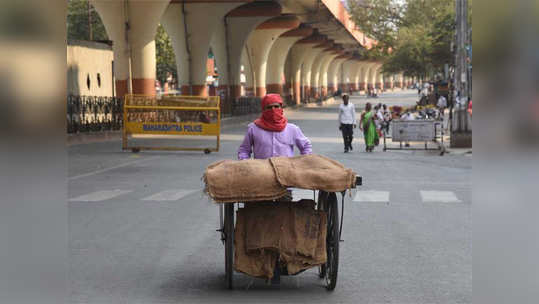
{"x": 266, "y": 144}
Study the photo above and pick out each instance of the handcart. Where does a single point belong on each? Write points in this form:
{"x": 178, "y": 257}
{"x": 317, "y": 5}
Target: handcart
{"x": 428, "y": 130}
{"x": 326, "y": 201}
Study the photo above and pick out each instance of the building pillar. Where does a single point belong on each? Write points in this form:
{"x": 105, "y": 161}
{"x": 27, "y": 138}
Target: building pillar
{"x": 363, "y": 73}
{"x": 334, "y": 52}
{"x": 356, "y": 75}
{"x": 306, "y": 68}
{"x": 315, "y": 69}
{"x": 347, "y": 75}
{"x": 277, "y": 58}
{"x": 379, "y": 78}
{"x": 241, "y": 22}
{"x": 143, "y": 20}
{"x": 172, "y": 22}
{"x": 203, "y": 19}
{"x": 334, "y": 72}
{"x": 298, "y": 53}
{"x": 246, "y": 62}
{"x": 371, "y": 83}
{"x": 260, "y": 43}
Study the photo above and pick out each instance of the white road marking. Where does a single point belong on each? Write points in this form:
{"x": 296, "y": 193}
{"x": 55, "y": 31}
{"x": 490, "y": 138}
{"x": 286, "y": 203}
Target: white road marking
{"x": 298, "y": 194}
{"x": 372, "y": 196}
{"x": 98, "y": 196}
{"x": 439, "y": 197}
{"x": 112, "y": 168}
{"x": 169, "y": 195}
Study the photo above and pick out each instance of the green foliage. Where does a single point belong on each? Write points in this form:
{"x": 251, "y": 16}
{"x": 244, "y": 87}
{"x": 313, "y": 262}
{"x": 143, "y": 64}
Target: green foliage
{"x": 77, "y": 22}
{"x": 164, "y": 53}
{"x": 418, "y": 33}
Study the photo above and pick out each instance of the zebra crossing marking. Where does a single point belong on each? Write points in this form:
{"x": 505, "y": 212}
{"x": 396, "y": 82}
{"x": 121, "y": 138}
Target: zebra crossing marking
{"x": 169, "y": 195}
{"x": 439, "y": 197}
{"x": 99, "y": 196}
{"x": 372, "y": 196}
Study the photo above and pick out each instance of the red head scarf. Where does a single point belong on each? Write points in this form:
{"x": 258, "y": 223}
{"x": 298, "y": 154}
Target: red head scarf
{"x": 272, "y": 119}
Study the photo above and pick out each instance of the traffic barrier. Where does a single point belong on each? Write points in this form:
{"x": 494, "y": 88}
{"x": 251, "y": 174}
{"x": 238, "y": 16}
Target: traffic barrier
{"x": 171, "y": 115}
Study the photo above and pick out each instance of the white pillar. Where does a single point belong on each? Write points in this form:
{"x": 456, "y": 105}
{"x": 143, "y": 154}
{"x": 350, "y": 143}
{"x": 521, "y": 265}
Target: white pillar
{"x": 241, "y": 22}
{"x": 143, "y": 17}
{"x": 260, "y": 43}
{"x": 277, "y": 57}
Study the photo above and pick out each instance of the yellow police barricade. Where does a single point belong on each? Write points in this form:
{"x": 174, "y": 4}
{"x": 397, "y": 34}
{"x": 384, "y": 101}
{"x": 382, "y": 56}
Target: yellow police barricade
{"x": 171, "y": 115}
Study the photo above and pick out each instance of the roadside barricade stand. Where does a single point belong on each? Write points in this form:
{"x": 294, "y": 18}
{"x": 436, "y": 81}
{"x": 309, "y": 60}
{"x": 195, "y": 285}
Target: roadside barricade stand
{"x": 183, "y": 116}
{"x": 429, "y": 130}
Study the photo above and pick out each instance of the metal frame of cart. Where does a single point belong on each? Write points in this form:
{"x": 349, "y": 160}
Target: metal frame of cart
{"x": 416, "y": 131}
{"x": 327, "y": 201}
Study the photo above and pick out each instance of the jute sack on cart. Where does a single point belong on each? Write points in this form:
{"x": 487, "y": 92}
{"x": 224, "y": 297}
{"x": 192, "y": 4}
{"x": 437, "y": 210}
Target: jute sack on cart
{"x": 240, "y": 181}
{"x": 258, "y": 265}
{"x": 294, "y": 232}
{"x": 267, "y": 179}
{"x": 314, "y": 172}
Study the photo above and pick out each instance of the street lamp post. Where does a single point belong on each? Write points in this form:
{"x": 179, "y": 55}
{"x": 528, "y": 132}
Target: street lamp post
{"x": 461, "y": 129}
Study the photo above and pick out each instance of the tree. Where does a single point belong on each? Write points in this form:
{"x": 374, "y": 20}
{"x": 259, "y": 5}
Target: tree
{"x": 77, "y": 22}
{"x": 164, "y": 53}
{"x": 414, "y": 36}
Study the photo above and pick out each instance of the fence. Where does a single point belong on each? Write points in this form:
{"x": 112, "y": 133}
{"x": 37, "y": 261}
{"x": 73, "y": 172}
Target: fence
{"x": 101, "y": 113}
{"x": 93, "y": 113}
{"x": 246, "y": 105}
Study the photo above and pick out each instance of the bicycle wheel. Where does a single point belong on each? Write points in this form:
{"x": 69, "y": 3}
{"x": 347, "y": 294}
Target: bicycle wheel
{"x": 332, "y": 242}
{"x": 229, "y": 244}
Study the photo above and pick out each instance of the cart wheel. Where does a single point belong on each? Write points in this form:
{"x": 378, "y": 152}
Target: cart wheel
{"x": 332, "y": 242}
{"x": 322, "y": 205}
{"x": 135, "y": 150}
{"x": 229, "y": 243}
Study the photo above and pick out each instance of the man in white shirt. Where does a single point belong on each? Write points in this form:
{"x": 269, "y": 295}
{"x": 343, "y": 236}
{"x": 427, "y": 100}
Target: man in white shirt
{"x": 442, "y": 104}
{"x": 347, "y": 122}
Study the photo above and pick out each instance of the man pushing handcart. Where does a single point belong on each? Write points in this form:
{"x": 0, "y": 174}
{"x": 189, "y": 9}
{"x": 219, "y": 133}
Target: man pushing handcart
{"x": 272, "y": 234}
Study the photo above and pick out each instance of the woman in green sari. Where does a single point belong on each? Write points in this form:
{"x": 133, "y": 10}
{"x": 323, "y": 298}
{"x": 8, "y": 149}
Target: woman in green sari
{"x": 369, "y": 128}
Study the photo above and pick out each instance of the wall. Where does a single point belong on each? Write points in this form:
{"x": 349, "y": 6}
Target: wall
{"x": 89, "y": 60}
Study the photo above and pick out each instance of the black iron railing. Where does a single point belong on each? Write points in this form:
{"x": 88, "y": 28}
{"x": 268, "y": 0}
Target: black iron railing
{"x": 93, "y": 113}
{"x": 246, "y": 105}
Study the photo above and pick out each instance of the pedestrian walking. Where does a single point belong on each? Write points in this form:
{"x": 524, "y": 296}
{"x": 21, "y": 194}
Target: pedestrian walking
{"x": 442, "y": 104}
{"x": 347, "y": 122}
{"x": 387, "y": 119}
{"x": 368, "y": 127}
{"x": 378, "y": 119}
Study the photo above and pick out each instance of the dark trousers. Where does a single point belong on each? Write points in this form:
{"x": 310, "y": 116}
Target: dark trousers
{"x": 347, "y": 135}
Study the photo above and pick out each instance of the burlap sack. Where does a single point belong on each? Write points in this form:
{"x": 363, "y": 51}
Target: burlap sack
{"x": 264, "y": 226}
{"x": 315, "y": 172}
{"x": 292, "y": 230}
{"x": 299, "y": 262}
{"x": 245, "y": 180}
{"x": 259, "y": 265}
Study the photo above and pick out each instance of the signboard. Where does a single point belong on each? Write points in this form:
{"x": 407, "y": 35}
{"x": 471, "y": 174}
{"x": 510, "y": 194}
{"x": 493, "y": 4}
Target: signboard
{"x": 189, "y": 128}
{"x": 413, "y": 130}
{"x": 171, "y": 115}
